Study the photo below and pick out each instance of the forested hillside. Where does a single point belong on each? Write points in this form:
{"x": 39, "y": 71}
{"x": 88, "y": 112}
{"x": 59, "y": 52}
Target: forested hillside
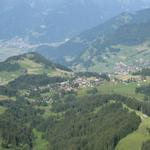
{"x": 124, "y": 38}
{"x": 86, "y": 127}
{"x": 100, "y": 110}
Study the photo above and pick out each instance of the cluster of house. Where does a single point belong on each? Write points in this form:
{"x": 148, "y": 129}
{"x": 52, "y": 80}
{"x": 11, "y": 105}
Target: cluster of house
{"x": 124, "y": 69}
{"x": 129, "y": 79}
{"x": 80, "y": 82}
{"x": 14, "y": 43}
{"x": 143, "y": 63}
{"x": 84, "y": 82}
{"x": 65, "y": 87}
{"x": 71, "y": 85}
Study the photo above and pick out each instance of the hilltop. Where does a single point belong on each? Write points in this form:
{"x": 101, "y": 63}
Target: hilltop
{"x": 29, "y": 63}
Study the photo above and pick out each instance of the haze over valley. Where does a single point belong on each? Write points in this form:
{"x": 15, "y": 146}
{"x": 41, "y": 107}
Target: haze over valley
{"x": 74, "y": 75}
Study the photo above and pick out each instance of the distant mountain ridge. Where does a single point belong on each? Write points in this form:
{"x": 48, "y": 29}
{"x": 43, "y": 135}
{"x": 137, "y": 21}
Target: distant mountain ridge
{"x": 44, "y": 21}
{"x": 102, "y": 47}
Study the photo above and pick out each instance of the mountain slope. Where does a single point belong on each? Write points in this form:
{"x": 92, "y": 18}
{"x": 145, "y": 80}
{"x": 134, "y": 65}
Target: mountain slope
{"x": 124, "y": 39}
{"x": 29, "y": 63}
{"x": 42, "y": 21}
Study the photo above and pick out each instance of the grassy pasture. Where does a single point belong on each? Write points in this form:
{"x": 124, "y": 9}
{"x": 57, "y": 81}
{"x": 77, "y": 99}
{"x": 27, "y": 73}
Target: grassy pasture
{"x": 40, "y": 142}
{"x": 120, "y": 88}
{"x": 135, "y": 140}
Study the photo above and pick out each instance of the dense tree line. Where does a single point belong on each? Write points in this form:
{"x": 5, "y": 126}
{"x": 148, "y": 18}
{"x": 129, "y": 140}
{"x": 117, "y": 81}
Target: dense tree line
{"x": 132, "y": 103}
{"x": 92, "y": 122}
{"x": 17, "y": 123}
{"x": 8, "y": 91}
{"x": 93, "y": 74}
{"x": 97, "y": 100}
{"x": 144, "y": 90}
{"x": 146, "y": 146}
{"x": 6, "y": 66}
{"x": 88, "y": 74}
{"x": 28, "y": 82}
{"x": 92, "y": 91}
{"x": 61, "y": 67}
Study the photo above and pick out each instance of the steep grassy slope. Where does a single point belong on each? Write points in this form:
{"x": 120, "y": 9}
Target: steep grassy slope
{"x": 135, "y": 140}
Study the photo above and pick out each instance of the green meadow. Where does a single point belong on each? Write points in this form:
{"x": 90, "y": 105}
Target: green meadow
{"x": 135, "y": 140}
